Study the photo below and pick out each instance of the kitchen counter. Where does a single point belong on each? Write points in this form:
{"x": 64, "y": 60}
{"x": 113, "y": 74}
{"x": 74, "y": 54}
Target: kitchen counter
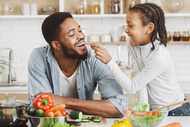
{"x": 13, "y": 89}
{"x": 184, "y": 121}
{"x": 18, "y": 91}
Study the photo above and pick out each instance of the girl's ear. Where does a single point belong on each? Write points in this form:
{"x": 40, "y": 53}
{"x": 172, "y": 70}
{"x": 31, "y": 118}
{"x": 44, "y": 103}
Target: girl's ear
{"x": 150, "y": 28}
{"x": 55, "y": 45}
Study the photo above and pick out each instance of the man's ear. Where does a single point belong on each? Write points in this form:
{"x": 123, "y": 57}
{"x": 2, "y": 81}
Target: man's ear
{"x": 150, "y": 28}
{"x": 55, "y": 45}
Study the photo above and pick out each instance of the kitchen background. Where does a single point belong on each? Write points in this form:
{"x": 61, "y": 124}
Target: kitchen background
{"x": 101, "y": 20}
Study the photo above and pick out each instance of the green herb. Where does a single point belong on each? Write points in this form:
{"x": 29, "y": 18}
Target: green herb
{"x": 63, "y": 125}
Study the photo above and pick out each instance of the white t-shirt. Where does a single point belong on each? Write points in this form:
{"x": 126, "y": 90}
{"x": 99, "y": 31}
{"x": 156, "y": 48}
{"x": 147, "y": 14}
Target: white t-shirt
{"x": 67, "y": 84}
{"x": 156, "y": 73}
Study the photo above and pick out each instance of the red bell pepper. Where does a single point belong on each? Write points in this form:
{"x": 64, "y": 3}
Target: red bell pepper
{"x": 43, "y": 101}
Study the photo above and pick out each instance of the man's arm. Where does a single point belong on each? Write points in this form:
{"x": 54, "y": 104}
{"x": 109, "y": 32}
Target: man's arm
{"x": 102, "y": 108}
{"x": 37, "y": 79}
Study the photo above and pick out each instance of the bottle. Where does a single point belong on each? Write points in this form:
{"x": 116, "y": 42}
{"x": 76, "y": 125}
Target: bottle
{"x": 83, "y": 7}
{"x": 33, "y": 8}
{"x": 176, "y": 36}
{"x": 95, "y": 7}
{"x": 26, "y": 8}
{"x": 169, "y": 36}
{"x": 115, "y": 6}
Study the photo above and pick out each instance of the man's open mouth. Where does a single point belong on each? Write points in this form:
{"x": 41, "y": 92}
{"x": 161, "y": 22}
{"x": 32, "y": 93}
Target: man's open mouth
{"x": 80, "y": 44}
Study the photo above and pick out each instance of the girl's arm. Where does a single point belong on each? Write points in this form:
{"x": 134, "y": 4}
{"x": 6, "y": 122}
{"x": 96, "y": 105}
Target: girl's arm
{"x": 151, "y": 70}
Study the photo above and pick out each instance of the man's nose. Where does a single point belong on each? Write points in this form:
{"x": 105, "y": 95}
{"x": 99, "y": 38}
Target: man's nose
{"x": 80, "y": 35}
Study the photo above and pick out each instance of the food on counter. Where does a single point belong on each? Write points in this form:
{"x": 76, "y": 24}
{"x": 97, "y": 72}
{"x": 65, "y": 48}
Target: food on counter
{"x": 54, "y": 122}
{"x": 141, "y": 107}
{"x": 63, "y": 125}
{"x": 122, "y": 123}
{"x": 76, "y": 115}
{"x": 39, "y": 113}
{"x": 57, "y": 110}
{"x": 142, "y": 117}
{"x": 43, "y": 101}
{"x": 43, "y": 106}
{"x": 175, "y": 124}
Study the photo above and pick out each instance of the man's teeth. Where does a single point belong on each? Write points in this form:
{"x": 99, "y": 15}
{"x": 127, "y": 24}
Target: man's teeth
{"x": 79, "y": 45}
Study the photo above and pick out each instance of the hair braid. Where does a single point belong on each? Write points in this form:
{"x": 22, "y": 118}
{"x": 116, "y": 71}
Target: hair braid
{"x": 153, "y": 13}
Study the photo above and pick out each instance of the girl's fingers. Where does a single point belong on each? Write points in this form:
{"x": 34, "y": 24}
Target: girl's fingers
{"x": 100, "y": 58}
{"x": 96, "y": 46}
{"x": 99, "y": 53}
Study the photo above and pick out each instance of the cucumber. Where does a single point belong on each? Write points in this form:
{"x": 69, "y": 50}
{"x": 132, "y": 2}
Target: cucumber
{"x": 76, "y": 115}
{"x": 96, "y": 119}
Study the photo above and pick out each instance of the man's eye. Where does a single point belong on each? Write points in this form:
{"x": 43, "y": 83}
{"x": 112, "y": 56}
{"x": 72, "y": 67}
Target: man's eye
{"x": 71, "y": 35}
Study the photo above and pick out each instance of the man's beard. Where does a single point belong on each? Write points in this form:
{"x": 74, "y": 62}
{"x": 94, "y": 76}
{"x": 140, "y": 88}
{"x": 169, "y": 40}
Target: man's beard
{"x": 72, "y": 53}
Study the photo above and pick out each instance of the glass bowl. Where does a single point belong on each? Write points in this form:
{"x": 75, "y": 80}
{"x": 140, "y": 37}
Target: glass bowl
{"x": 173, "y": 5}
{"x": 148, "y": 118}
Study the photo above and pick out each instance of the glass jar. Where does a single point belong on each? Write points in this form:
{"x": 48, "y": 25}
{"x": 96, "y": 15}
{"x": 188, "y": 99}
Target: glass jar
{"x": 169, "y": 36}
{"x": 133, "y": 2}
{"x": 12, "y": 7}
{"x": 115, "y": 6}
{"x": 185, "y": 36}
{"x": 176, "y": 36}
{"x": 82, "y": 7}
{"x": 94, "y": 7}
{"x": 173, "y": 5}
{"x": 46, "y": 7}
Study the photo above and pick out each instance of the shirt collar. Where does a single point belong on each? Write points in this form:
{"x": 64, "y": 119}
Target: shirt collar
{"x": 146, "y": 49}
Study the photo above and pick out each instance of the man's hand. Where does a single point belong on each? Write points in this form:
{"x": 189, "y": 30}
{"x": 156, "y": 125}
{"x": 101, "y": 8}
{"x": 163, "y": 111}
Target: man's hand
{"x": 101, "y": 53}
{"x": 89, "y": 106}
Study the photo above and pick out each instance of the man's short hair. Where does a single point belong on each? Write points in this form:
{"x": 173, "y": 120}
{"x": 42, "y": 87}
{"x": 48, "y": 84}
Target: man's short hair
{"x": 51, "y": 24}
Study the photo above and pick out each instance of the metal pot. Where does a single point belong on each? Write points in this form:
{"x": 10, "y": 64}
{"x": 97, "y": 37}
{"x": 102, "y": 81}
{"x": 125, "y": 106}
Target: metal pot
{"x": 13, "y": 114}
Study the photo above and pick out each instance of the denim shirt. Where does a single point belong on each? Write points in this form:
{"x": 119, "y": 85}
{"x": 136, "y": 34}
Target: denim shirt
{"x": 43, "y": 76}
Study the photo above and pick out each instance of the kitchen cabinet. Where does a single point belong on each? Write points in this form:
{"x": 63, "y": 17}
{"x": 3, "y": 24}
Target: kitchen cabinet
{"x": 91, "y": 8}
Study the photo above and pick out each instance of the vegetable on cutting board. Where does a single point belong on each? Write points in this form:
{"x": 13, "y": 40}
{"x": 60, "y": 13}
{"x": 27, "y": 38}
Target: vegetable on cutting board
{"x": 76, "y": 115}
{"x": 57, "y": 110}
{"x": 175, "y": 124}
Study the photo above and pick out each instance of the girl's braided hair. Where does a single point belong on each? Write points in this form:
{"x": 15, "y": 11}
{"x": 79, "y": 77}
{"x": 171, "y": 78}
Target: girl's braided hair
{"x": 153, "y": 13}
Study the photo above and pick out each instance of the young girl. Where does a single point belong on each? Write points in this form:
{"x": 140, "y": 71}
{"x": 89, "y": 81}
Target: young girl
{"x": 148, "y": 40}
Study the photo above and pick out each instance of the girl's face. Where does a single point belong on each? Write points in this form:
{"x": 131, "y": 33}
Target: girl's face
{"x": 139, "y": 33}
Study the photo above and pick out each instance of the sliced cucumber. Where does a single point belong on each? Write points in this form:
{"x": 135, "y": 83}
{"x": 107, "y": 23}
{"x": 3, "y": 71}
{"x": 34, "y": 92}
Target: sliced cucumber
{"x": 76, "y": 115}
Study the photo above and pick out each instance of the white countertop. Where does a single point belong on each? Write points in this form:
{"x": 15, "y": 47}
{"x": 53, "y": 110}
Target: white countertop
{"x": 14, "y": 89}
{"x": 184, "y": 121}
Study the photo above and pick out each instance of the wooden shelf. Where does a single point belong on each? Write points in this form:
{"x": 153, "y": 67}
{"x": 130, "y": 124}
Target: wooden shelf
{"x": 93, "y": 16}
{"x": 23, "y": 16}
{"x": 179, "y": 43}
{"x": 168, "y": 15}
{"x": 124, "y": 43}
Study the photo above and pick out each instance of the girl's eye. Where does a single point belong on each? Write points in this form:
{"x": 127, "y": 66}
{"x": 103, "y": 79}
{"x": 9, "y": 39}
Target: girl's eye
{"x": 130, "y": 25}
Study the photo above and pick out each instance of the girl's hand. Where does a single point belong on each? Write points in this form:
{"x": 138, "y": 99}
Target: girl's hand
{"x": 101, "y": 53}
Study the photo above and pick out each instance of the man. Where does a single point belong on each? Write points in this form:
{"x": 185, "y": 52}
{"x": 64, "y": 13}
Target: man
{"x": 66, "y": 69}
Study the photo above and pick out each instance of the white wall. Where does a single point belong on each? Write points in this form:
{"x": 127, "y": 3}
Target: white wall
{"x": 24, "y": 34}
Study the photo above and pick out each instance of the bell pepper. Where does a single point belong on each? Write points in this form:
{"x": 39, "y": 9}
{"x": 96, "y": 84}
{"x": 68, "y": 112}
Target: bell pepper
{"x": 43, "y": 101}
{"x": 122, "y": 123}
